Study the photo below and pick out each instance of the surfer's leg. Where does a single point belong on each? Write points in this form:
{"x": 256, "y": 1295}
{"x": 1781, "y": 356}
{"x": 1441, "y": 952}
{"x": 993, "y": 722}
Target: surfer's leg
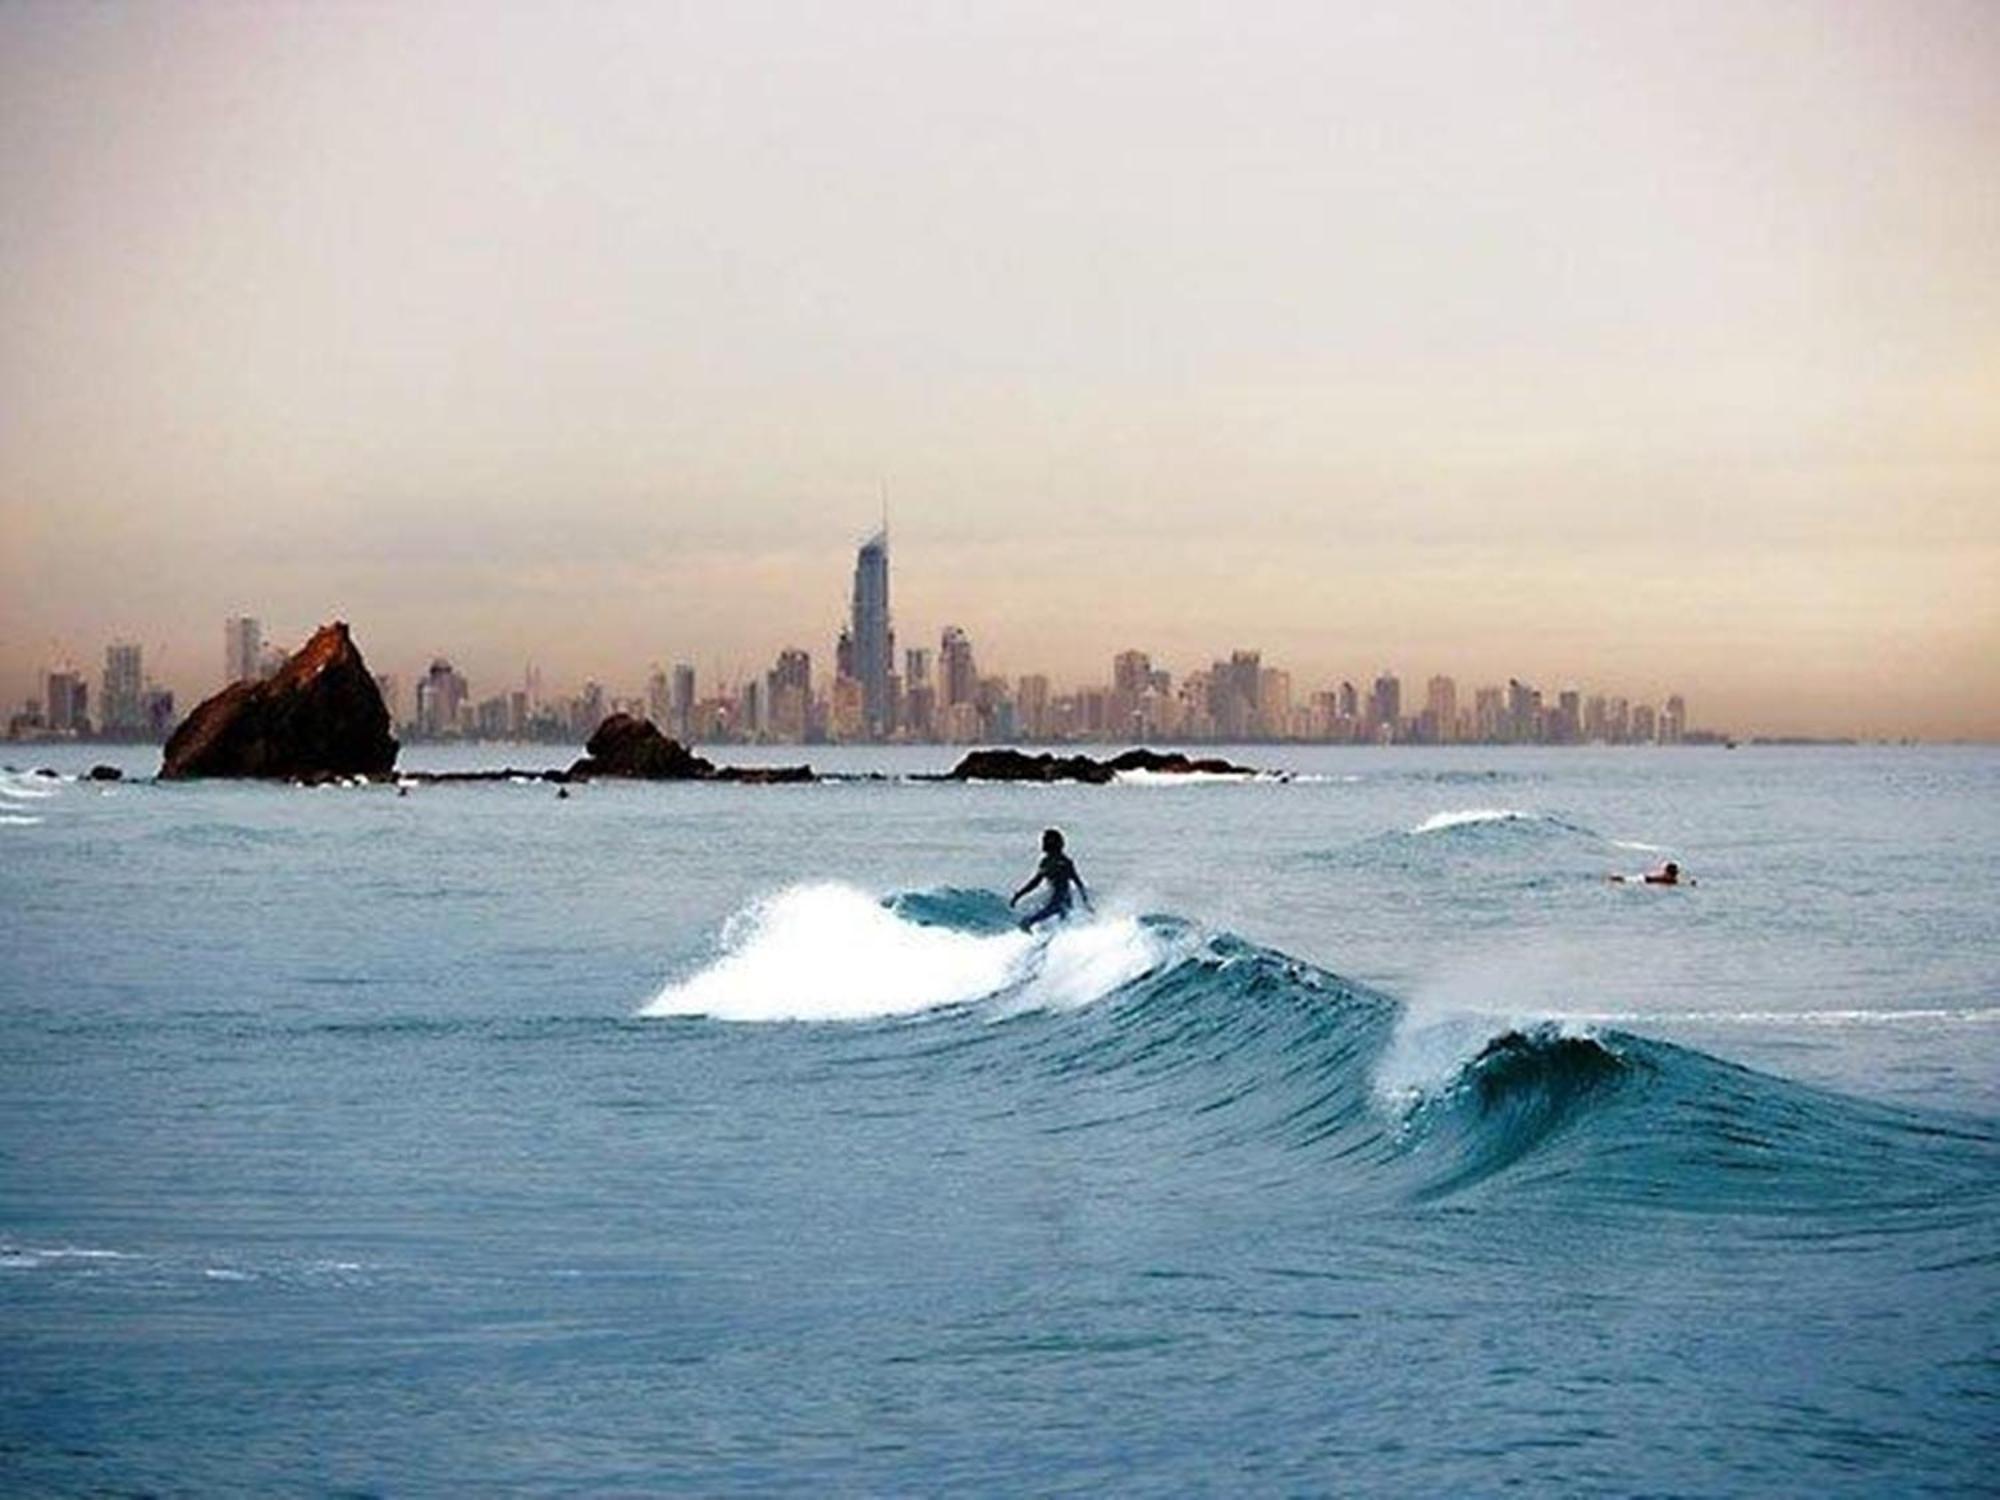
{"x": 1055, "y": 906}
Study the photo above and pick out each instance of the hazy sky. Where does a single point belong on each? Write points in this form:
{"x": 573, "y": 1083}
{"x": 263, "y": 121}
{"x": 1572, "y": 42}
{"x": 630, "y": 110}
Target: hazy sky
{"x": 1642, "y": 346}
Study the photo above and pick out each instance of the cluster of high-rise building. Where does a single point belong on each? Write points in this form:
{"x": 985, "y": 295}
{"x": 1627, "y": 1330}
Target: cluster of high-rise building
{"x": 937, "y": 695}
{"x": 945, "y": 699}
{"x": 940, "y": 695}
{"x": 129, "y": 706}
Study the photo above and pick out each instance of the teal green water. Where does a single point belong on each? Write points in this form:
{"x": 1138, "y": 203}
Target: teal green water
{"x": 728, "y": 1139}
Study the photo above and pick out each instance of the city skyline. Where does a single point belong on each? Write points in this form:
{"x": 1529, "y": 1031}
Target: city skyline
{"x": 1562, "y": 340}
{"x": 1235, "y": 700}
{"x": 942, "y": 698}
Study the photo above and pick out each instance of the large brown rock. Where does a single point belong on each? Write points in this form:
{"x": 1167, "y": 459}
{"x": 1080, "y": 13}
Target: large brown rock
{"x": 635, "y": 748}
{"x": 627, "y": 746}
{"x": 321, "y": 715}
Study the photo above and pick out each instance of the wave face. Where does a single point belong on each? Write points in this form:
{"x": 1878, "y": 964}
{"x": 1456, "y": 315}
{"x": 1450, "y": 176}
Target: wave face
{"x": 1241, "y": 1049}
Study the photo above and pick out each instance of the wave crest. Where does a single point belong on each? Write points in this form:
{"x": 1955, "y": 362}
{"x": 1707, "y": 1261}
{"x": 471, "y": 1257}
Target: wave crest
{"x": 830, "y": 952}
{"x": 1216, "y": 1044}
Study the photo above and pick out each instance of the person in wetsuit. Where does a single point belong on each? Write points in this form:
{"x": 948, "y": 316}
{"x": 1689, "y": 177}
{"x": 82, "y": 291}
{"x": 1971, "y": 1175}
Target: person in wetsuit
{"x": 1059, "y": 871}
{"x": 1668, "y": 874}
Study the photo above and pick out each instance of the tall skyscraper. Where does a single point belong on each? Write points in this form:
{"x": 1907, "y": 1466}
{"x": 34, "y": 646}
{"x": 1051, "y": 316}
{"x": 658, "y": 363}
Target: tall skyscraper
{"x": 1131, "y": 672}
{"x": 242, "y": 649}
{"x": 683, "y": 710}
{"x": 788, "y": 696}
{"x": 959, "y": 678}
{"x": 1489, "y": 714}
{"x": 1568, "y": 726}
{"x": 1233, "y": 686}
{"x": 441, "y": 694}
{"x": 68, "y": 702}
{"x": 1673, "y": 720}
{"x": 1131, "y": 679}
{"x": 123, "y": 709}
{"x": 1031, "y": 699}
{"x": 1441, "y": 710}
{"x": 919, "y": 717}
{"x": 1274, "y": 703}
{"x": 1385, "y": 707}
{"x": 158, "y": 707}
{"x": 1524, "y": 712}
{"x": 659, "y": 700}
{"x": 874, "y": 638}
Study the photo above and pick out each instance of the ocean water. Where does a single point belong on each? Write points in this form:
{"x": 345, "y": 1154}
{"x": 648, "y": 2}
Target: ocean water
{"x": 715, "y": 1139}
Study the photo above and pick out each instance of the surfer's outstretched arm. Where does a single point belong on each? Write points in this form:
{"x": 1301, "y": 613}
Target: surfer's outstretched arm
{"x": 1077, "y": 875}
{"x": 1015, "y": 899}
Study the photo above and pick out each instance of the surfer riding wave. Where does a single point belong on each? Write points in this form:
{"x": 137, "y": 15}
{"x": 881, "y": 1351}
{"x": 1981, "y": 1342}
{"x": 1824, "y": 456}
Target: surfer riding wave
{"x": 1059, "y": 872}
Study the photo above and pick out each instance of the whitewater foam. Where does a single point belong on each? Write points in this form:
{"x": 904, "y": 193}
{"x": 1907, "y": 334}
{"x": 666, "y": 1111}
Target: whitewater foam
{"x": 1463, "y": 817}
{"x": 1427, "y": 1053}
{"x": 830, "y": 952}
{"x": 34, "y": 1257}
{"x": 1188, "y": 778}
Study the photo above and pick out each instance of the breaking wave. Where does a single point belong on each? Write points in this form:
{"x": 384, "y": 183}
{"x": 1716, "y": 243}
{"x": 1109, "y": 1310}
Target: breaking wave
{"x": 1475, "y": 817}
{"x": 829, "y": 952}
{"x": 1219, "y": 1045}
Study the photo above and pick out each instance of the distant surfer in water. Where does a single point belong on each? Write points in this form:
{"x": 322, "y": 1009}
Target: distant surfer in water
{"x": 1059, "y": 871}
{"x": 1668, "y": 874}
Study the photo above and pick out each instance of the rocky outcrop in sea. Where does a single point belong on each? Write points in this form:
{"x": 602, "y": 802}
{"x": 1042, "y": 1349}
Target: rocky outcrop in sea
{"x": 634, "y": 748}
{"x": 319, "y": 716}
{"x": 1018, "y": 765}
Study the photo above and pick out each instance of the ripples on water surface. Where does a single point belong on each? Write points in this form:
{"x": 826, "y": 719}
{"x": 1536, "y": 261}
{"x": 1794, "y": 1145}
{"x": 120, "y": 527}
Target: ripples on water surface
{"x": 730, "y": 1139}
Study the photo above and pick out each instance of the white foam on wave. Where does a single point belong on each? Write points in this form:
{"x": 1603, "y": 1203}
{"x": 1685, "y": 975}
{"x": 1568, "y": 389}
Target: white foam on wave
{"x": 34, "y": 1257}
{"x": 1439, "y": 822}
{"x": 1430, "y": 1050}
{"x": 1084, "y": 962}
{"x": 1451, "y": 1015}
{"x": 830, "y": 952}
{"x": 26, "y": 791}
{"x": 1143, "y": 777}
{"x": 17, "y": 820}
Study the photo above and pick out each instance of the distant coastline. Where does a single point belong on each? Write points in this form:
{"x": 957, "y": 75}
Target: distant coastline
{"x": 1750, "y": 742}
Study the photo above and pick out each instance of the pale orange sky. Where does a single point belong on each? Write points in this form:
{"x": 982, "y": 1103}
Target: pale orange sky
{"x": 1645, "y": 347}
